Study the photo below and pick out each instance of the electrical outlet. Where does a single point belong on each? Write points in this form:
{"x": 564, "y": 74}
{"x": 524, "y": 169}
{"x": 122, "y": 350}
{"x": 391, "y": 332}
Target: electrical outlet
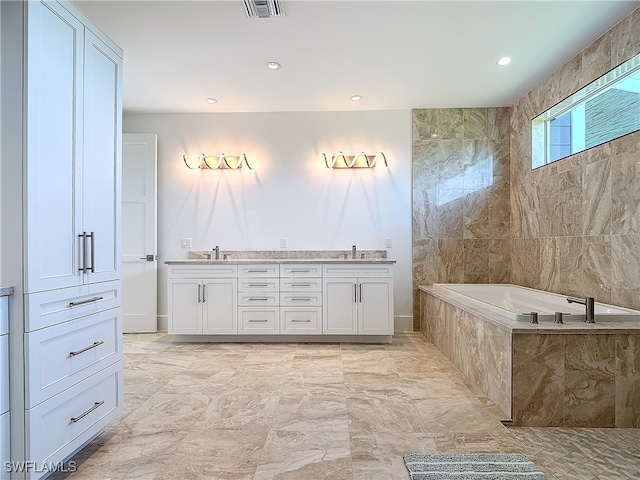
{"x": 283, "y": 243}
{"x": 387, "y": 243}
{"x": 185, "y": 242}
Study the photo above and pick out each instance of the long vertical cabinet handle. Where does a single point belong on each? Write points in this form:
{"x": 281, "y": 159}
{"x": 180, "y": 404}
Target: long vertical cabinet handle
{"x": 199, "y": 293}
{"x": 355, "y": 293}
{"x": 204, "y": 293}
{"x": 360, "y": 293}
{"x": 92, "y": 236}
{"x": 83, "y": 236}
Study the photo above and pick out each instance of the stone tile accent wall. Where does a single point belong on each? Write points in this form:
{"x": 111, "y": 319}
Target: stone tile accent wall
{"x": 461, "y": 196}
{"x": 575, "y": 223}
{"x": 576, "y": 380}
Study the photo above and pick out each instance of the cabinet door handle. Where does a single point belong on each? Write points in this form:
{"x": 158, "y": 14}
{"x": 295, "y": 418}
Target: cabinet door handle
{"x": 300, "y": 321}
{"x": 355, "y": 293}
{"x": 92, "y": 236}
{"x": 360, "y": 293}
{"x": 199, "y": 294}
{"x": 93, "y": 345}
{"x": 261, "y": 299}
{"x": 258, "y": 285}
{"x": 300, "y": 299}
{"x": 256, "y": 271}
{"x": 82, "y": 302}
{"x": 204, "y": 293}
{"x": 300, "y": 284}
{"x": 80, "y": 417}
{"x": 83, "y": 236}
{"x": 299, "y": 271}
{"x": 258, "y": 321}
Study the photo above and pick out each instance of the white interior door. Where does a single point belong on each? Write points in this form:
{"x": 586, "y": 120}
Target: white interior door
{"x": 139, "y": 230}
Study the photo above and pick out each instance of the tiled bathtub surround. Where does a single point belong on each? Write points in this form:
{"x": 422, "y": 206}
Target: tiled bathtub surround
{"x": 461, "y": 216}
{"x": 572, "y": 375}
{"x": 575, "y": 224}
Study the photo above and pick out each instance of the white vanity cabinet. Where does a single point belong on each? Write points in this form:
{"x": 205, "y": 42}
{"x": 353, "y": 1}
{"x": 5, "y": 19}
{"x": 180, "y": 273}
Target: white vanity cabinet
{"x": 357, "y": 299}
{"x": 202, "y": 299}
{"x": 301, "y": 299}
{"x": 259, "y": 299}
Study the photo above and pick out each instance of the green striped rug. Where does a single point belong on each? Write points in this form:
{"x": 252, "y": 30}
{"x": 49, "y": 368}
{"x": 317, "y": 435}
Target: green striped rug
{"x": 472, "y": 466}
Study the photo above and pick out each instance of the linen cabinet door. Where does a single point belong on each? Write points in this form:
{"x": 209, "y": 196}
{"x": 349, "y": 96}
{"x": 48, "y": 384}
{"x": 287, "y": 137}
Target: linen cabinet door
{"x": 339, "y": 307}
{"x": 184, "y": 306}
{"x": 102, "y": 160}
{"x": 219, "y": 307}
{"x": 53, "y": 78}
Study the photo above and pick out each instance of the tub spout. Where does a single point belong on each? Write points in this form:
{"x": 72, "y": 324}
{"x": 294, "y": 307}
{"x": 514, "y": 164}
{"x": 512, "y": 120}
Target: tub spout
{"x": 590, "y": 305}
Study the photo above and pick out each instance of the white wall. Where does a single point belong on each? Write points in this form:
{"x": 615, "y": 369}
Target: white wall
{"x": 289, "y": 193}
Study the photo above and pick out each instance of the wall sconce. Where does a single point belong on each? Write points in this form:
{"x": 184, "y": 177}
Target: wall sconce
{"x": 223, "y": 162}
{"x": 359, "y": 160}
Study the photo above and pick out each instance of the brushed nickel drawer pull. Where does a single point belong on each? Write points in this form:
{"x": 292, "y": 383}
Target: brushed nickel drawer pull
{"x": 93, "y": 345}
{"x": 258, "y": 299}
{"x": 300, "y": 321}
{"x": 258, "y": 321}
{"x": 82, "y": 302}
{"x": 95, "y": 405}
{"x": 300, "y": 284}
{"x": 256, "y": 271}
{"x": 299, "y": 271}
{"x": 304, "y": 299}
{"x": 258, "y": 285}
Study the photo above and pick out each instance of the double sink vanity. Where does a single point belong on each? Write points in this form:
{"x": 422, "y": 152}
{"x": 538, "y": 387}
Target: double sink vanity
{"x": 247, "y": 295}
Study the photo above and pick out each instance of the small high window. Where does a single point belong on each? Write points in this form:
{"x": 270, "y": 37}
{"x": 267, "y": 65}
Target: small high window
{"x": 607, "y": 108}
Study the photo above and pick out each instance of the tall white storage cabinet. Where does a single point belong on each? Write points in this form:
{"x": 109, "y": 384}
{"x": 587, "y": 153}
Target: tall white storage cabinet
{"x": 61, "y": 128}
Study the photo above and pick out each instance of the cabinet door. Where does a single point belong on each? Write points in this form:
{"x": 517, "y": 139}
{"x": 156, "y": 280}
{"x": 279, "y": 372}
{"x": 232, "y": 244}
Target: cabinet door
{"x": 375, "y": 306}
{"x": 184, "y": 306}
{"x": 55, "y": 41}
{"x": 339, "y": 314}
{"x": 219, "y": 308}
{"x": 102, "y": 160}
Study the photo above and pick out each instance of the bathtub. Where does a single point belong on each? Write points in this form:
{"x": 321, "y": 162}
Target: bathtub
{"x": 515, "y": 302}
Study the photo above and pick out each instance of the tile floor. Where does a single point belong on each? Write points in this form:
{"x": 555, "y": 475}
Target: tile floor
{"x": 318, "y": 411}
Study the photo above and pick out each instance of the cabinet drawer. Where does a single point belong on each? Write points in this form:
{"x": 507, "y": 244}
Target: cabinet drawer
{"x": 249, "y": 299}
{"x": 60, "y": 356}
{"x": 258, "y": 320}
{"x": 358, "y": 270}
{"x": 303, "y": 320}
{"x": 5, "y": 455}
{"x": 4, "y": 374}
{"x": 4, "y": 315}
{"x": 259, "y": 270}
{"x": 301, "y": 284}
{"x": 259, "y": 284}
{"x": 200, "y": 271}
{"x": 301, "y": 270}
{"x": 301, "y": 299}
{"x": 56, "y": 306}
{"x": 59, "y": 426}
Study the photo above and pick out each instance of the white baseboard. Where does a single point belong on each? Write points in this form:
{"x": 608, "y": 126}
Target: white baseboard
{"x": 403, "y": 323}
{"x": 163, "y": 323}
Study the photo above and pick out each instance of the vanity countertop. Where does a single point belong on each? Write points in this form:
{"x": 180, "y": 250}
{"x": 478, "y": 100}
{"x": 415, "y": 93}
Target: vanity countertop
{"x": 232, "y": 261}
{"x": 6, "y": 291}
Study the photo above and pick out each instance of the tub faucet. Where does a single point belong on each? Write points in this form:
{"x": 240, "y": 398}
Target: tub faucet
{"x": 589, "y": 303}
{"x": 353, "y": 251}
{"x": 217, "y": 250}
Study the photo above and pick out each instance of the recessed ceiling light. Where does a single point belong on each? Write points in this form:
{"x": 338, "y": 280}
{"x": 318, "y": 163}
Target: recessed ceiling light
{"x": 210, "y": 100}
{"x": 504, "y": 61}
{"x": 273, "y": 65}
{"x": 356, "y": 98}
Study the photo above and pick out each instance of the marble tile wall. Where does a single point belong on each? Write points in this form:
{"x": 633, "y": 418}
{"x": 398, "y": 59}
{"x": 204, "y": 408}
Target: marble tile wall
{"x": 461, "y": 197}
{"x": 479, "y": 349}
{"x": 575, "y": 224}
{"x": 576, "y": 380}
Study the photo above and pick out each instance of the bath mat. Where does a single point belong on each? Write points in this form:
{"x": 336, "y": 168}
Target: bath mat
{"x": 472, "y": 466}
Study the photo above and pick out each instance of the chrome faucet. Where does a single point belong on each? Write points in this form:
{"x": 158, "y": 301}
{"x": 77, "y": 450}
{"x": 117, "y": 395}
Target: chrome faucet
{"x": 353, "y": 251}
{"x": 217, "y": 250}
{"x": 589, "y": 303}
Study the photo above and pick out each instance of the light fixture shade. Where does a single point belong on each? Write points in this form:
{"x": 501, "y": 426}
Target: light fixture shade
{"x": 359, "y": 160}
{"x": 221, "y": 162}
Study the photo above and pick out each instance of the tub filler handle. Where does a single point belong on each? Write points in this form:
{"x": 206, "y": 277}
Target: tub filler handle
{"x": 534, "y": 317}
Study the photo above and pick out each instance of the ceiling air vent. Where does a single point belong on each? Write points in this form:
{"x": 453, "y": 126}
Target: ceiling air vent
{"x": 263, "y": 8}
